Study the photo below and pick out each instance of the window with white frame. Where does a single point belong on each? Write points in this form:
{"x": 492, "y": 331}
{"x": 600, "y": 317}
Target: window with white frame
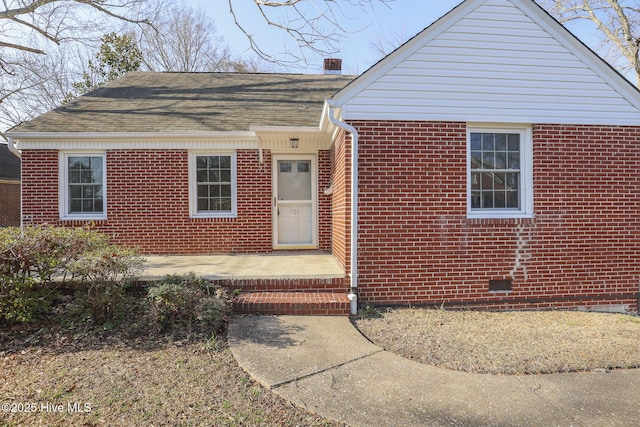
{"x": 83, "y": 186}
{"x": 212, "y": 185}
{"x": 499, "y": 173}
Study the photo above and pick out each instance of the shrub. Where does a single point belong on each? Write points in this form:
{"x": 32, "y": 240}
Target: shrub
{"x": 104, "y": 272}
{"x": 187, "y": 302}
{"x": 35, "y": 260}
{"x": 30, "y": 260}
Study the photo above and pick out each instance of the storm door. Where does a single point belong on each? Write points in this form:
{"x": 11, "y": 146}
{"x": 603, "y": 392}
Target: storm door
{"x": 294, "y": 201}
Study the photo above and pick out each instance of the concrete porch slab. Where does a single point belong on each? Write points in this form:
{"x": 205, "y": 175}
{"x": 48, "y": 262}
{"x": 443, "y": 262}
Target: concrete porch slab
{"x": 238, "y": 267}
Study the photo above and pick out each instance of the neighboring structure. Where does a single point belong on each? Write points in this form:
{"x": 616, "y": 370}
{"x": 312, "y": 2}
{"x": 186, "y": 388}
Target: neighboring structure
{"x": 9, "y": 188}
{"x": 498, "y": 165}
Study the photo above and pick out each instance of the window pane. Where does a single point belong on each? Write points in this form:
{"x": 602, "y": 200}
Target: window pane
{"x": 476, "y": 200}
{"x": 476, "y": 159}
{"x": 201, "y": 162}
{"x": 83, "y": 174}
{"x": 213, "y": 162}
{"x": 513, "y": 141}
{"x": 492, "y": 154}
{"x": 225, "y": 162}
{"x": 79, "y": 163}
{"x": 488, "y": 160}
{"x": 86, "y": 177}
{"x": 513, "y": 181}
{"x": 203, "y": 204}
{"x": 225, "y": 204}
{"x": 513, "y": 200}
{"x": 476, "y": 141}
{"x": 202, "y": 176}
{"x": 486, "y": 181}
{"x": 75, "y": 191}
{"x": 75, "y": 205}
{"x": 87, "y": 192}
{"x": 74, "y": 176}
{"x": 303, "y": 167}
{"x": 475, "y": 181}
{"x": 488, "y": 141}
{"x": 514, "y": 160}
{"x": 487, "y": 200}
{"x": 214, "y": 174}
{"x": 285, "y": 167}
{"x": 87, "y": 205}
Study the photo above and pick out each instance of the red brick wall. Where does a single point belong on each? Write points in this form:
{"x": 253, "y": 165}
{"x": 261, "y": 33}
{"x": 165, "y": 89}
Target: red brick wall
{"x": 324, "y": 200}
{"x": 148, "y": 202}
{"x": 341, "y": 199}
{"x": 417, "y": 245}
{"x": 40, "y": 186}
{"x": 9, "y": 203}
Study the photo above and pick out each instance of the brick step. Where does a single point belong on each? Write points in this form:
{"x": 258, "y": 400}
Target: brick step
{"x": 292, "y": 303}
{"x": 286, "y": 284}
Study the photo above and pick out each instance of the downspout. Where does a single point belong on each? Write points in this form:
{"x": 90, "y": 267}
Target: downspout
{"x": 353, "y": 294}
{"x": 12, "y": 148}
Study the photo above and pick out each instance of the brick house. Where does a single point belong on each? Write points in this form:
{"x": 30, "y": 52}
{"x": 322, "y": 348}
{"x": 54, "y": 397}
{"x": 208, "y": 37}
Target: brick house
{"x": 493, "y": 160}
{"x": 9, "y": 188}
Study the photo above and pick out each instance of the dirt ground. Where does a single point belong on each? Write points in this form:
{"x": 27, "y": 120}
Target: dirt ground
{"x": 508, "y": 342}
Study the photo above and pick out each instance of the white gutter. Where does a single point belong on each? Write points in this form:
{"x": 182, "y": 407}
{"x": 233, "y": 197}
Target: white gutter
{"x": 12, "y": 147}
{"x": 353, "y": 294}
{"x": 132, "y": 135}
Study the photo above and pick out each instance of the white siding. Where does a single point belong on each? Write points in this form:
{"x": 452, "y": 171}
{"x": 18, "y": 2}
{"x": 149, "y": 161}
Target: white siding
{"x": 496, "y": 64}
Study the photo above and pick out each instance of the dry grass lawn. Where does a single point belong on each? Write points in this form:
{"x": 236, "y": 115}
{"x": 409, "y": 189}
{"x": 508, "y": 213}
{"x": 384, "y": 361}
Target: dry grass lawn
{"x": 119, "y": 378}
{"x": 508, "y": 342}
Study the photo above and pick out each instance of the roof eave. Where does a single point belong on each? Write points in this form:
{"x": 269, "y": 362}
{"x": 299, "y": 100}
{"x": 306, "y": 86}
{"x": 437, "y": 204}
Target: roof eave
{"x": 128, "y": 136}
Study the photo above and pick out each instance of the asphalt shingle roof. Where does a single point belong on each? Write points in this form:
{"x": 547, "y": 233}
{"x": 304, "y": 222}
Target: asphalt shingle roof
{"x": 194, "y": 102}
{"x": 9, "y": 164}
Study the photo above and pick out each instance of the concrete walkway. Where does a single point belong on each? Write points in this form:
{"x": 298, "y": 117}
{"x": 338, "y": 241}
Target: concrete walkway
{"x": 276, "y": 265}
{"x": 325, "y": 365}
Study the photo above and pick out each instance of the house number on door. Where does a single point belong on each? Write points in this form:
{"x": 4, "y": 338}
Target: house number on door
{"x": 295, "y": 211}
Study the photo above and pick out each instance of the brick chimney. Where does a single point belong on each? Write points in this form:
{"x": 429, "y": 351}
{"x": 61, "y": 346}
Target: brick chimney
{"x": 332, "y": 66}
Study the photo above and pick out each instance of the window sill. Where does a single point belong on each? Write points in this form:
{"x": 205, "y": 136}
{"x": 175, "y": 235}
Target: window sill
{"x": 505, "y": 220}
{"x": 83, "y": 218}
{"x": 214, "y": 216}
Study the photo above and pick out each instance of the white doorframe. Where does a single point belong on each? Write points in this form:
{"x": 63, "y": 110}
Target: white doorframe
{"x": 278, "y": 204}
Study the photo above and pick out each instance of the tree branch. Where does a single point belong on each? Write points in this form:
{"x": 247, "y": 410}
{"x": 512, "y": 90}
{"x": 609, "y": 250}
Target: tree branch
{"x": 304, "y": 26}
{"x": 21, "y": 47}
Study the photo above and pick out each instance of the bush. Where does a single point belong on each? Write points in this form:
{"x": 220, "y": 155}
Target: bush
{"x": 35, "y": 260}
{"x": 103, "y": 274}
{"x": 187, "y": 302}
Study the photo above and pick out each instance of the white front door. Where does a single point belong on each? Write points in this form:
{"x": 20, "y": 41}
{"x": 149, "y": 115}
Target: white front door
{"x": 294, "y": 201}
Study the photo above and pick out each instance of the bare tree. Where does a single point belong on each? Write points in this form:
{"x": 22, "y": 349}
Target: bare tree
{"x": 27, "y": 23}
{"x": 31, "y": 35}
{"x": 315, "y": 26}
{"x": 185, "y": 40}
{"x": 37, "y": 83}
{"x": 618, "y": 25}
